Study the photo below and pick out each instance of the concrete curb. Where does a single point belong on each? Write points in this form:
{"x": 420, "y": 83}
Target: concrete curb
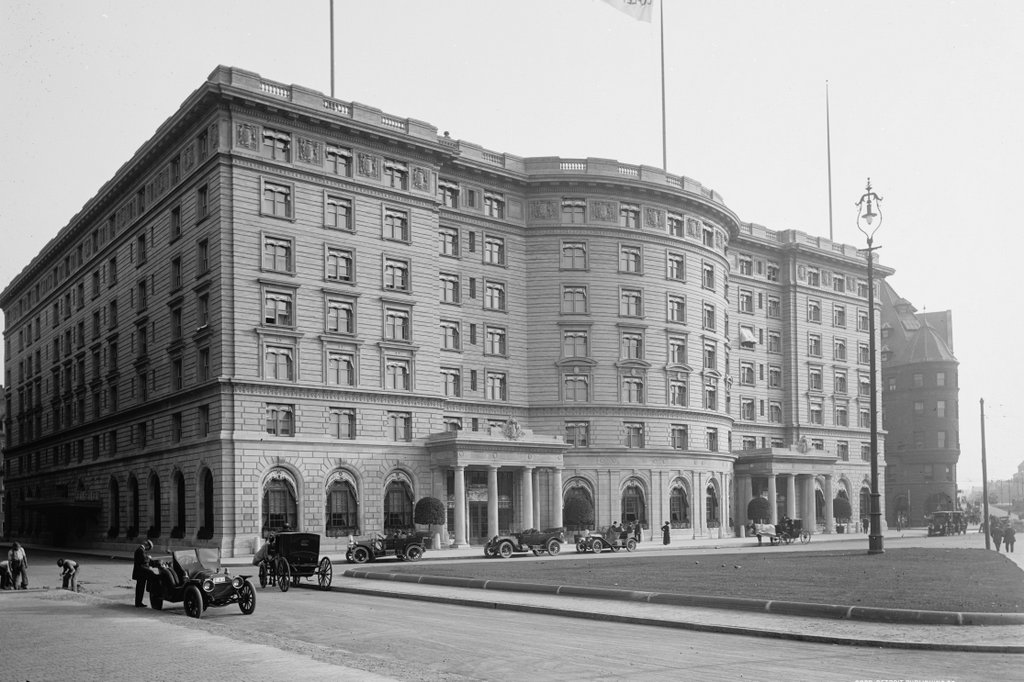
{"x": 833, "y": 611}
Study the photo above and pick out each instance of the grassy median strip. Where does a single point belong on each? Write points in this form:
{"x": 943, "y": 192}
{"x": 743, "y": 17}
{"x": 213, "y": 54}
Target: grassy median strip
{"x": 968, "y": 580}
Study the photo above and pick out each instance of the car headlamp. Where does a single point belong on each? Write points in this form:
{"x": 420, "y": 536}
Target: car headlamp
{"x": 208, "y": 585}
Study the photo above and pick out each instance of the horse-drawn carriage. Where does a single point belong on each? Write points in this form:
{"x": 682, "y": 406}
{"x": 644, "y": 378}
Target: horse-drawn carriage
{"x": 783, "y": 532}
{"x": 288, "y": 557}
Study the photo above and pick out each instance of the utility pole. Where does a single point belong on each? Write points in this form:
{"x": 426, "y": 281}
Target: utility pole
{"x": 984, "y": 481}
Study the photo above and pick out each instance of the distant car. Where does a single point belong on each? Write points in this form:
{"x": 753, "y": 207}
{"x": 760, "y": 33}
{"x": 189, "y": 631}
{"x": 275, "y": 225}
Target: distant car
{"x": 614, "y": 538}
{"x": 193, "y": 576}
{"x": 947, "y": 523}
{"x": 549, "y": 540}
{"x": 402, "y": 546}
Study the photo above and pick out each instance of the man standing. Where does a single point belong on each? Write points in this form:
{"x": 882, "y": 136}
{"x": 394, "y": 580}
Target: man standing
{"x": 18, "y": 562}
{"x": 141, "y": 571}
{"x": 68, "y": 574}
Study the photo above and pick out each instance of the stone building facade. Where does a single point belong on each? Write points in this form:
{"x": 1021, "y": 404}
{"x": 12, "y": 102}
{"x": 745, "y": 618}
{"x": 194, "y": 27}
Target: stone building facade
{"x": 287, "y": 310}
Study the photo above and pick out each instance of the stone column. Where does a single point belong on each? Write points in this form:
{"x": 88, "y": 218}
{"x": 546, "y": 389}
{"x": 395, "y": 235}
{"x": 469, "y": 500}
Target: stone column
{"x": 556, "y": 498}
{"x": 527, "y": 486}
{"x": 460, "y": 507}
{"x": 535, "y": 488}
{"x": 773, "y": 499}
{"x": 492, "y": 500}
{"x": 811, "y": 520}
{"x": 791, "y": 495}
{"x": 746, "y": 488}
{"x": 830, "y": 522}
{"x": 723, "y": 506}
{"x": 697, "y": 501}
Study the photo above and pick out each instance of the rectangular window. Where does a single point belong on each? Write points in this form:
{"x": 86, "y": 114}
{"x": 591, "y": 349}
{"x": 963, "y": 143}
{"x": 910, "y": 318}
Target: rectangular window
{"x": 746, "y": 265}
{"x": 280, "y": 419}
{"x": 577, "y": 434}
{"x": 451, "y": 382}
{"x": 277, "y": 255}
{"x": 448, "y": 241}
{"x": 494, "y": 296}
{"x": 813, "y": 277}
{"x": 747, "y": 373}
{"x": 838, "y": 313}
{"x": 815, "y": 414}
{"x": 494, "y": 251}
{"x": 278, "y": 363}
{"x": 397, "y": 324}
{"x": 711, "y": 435}
{"x": 396, "y": 274}
{"x": 814, "y": 379}
{"x": 140, "y": 250}
{"x": 814, "y": 345}
{"x": 708, "y": 276}
{"x": 839, "y": 349}
{"x": 277, "y": 308}
{"x": 203, "y": 256}
{"x": 746, "y": 301}
{"x": 678, "y": 393}
{"x": 709, "y": 316}
{"x": 396, "y": 174}
{"x": 339, "y": 265}
{"x": 813, "y": 310}
{"x": 629, "y": 216}
{"x": 177, "y": 375}
{"x": 774, "y": 307}
{"x": 680, "y": 437}
{"x": 576, "y": 388}
{"x": 450, "y": 335}
{"x": 276, "y": 145}
{"x": 574, "y": 211}
{"x": 448, "y": 193}
{"x": 343, "y": 423}
{"x": 839, "y": 382}
{"x": 631, "y": 303}
{"x": 710, "y": 355}
{"x": 862, "y": 321}
{"x": 340, "y": 316}
{"x": 574, "y": 299}
{"x": 276, "y": 200}
{"x": 775, "y": 412}
{"x": 863, "y": 353}
{"x": 842, "y": 415}
{"x": 574, "y": 256}
{"x": 494, "y": 204}
{"x": 397, "y": 374}
{"x": 634, "y": 434}
{"x": 339, "y": 161}
{"x": 575, "y": 344}
{"x": 341, "y": 369}
{"x": 677, "y": 350}
{"x": 940, "y": 409}
{"x": 203, "y": 365}
{"x": 337, "y": 213}
{"x": 495, "y": 340}
{"x": 747, "y": 409}
{"x": 202, "y": 203}
{"x": 449, "y": 285}
{"x": 774, "y": 342}
{"x": 676, "y": 267}
{"x": 497, "y": 386}
{"x": 632, "y": 346}
{"x": 175, "y": 223}
{"x": 711, "y": 393}
{"x": 175, "y": 274}
{"x": 630, "y": 259}
{"x": 677, "y": 308}
{"x": 396, "y": 225}
{"x": 940, "y": 378}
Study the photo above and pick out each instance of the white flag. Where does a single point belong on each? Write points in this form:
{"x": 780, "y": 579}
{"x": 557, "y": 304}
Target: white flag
{"x": 640, "y": 10}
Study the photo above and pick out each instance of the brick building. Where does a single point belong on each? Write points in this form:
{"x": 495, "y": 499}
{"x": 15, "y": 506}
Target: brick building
{"x": 290, "y": 310}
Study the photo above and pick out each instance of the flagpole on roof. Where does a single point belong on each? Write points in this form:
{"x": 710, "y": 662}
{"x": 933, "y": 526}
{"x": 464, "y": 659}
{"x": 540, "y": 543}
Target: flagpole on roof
{"x": 664, "y": 133}
{"x": 332, "y": 49}
{"x": 828, "y": 146}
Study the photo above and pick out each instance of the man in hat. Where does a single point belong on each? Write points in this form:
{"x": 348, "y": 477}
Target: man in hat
{"x": 68, "y": 574}
{"x": 141, "y": 571}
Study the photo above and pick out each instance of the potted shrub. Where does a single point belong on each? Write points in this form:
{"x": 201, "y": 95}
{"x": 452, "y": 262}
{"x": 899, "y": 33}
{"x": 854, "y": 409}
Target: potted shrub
{"x": 578, "y": 512}
{"x": 759, "y": 510}
{"x": 841, "y": 510}
{"x": 430, "y": 511}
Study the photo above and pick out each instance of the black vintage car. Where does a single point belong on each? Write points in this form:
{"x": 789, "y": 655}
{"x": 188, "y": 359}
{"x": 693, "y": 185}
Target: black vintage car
{"x": 403, "y": 546}
{"x": 548, "y": 540}
{"x": 947, "y": 523}
{"x": 193, "y": 576}
{"x": 614, "y": 538}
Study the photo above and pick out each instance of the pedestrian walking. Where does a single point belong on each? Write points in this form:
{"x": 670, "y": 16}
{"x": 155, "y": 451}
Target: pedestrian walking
{"x": 1009, "y": 538}
{"x": 18, "y": 562}
{"x": 140, "y": 573}
{"x": 997, "y": 535}
{"x": 68, "y": 574}
{"x": 666, "y": 533}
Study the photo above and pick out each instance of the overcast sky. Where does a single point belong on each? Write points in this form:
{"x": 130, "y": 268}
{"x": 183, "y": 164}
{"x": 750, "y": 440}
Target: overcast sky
{"x": 926, "y": 99}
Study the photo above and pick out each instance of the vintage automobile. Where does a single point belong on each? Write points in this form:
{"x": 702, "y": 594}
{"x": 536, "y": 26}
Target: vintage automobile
{"x": 193, "y": 576}
{"x": 291, "y": 556}
{"x": 548, "y": 540}
{"x": 783, "y": 532}
{"x": 613, "y": 538}
{"x": 402, "y": 546}
{"x": 947, "y": 523}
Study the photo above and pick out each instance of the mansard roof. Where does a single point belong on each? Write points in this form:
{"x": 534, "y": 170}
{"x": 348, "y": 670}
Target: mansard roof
{"x": 913, "y": 337}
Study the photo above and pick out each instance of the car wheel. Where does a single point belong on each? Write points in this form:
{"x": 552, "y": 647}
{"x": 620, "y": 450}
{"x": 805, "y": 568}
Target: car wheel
{"x": 247, "y": 598}
{"x": 360, "y": 555}
{"x": 805, "y": 537}
{"x": 630, "y": 545}
{"x": 156, "y": 601}
{"x": 489, "y": 552}
{"x": 596, "y": 546}
{"x": 413, "y": 552}
{"x": 193, "y": 602}
{"x": 284, "y": 575}
{"x": 580, "y": 548}
{"x": 325, "y": 574}
{"x": 505, "y": 550}
{"x": 554, "y": 547}
{"x": 263, "y": 574}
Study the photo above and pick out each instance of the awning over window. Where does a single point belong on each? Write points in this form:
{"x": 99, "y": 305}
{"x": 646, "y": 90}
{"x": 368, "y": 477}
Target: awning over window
{"x": 747, "y": 336}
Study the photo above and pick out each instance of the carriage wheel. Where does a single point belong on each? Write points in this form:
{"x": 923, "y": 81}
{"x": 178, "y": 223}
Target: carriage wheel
{"x": 324, "y": 574}
{"x": 805, "y": 537}
{"x": 554, "y": 547}
{"x": 263, "y": 574}
{"x": 247, "y": 598}
{"x": 284, "y": 575}
{"x": 597, "y": 545}
{"x": 775, "y": 539}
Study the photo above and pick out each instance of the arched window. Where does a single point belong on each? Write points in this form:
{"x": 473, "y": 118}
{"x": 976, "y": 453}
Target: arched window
{"x": 280, "y": 510}
{"x": 179, "y": 506}
{"x": 133, "y": 507}
{"x": 114, "y": 495}
{"x": 679, "y": 508}
{"x": 397, "y": 507}
{"x": 206, "y": 531}
{"x": 633, "y": 507}
{"x": 711, "y": 514}
{"x": 154, "y": 507}
{"x": 578, "y": 506}
{"x": 342, "y": 512}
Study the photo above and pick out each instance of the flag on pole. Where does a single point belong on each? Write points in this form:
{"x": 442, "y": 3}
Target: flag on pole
{"x": 641, "y": 10}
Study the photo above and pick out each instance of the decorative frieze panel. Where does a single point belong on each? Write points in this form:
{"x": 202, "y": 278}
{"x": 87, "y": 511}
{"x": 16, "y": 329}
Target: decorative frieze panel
{"x": 654, "y": 218}
{"x": 421, "y": 180}
{"x": 604, "y": 211}
{"x": 543, "y": 210}
{"x": 246, "y": 136}
{"x": 311, "y": 151}
{"x": 368, "y": 165}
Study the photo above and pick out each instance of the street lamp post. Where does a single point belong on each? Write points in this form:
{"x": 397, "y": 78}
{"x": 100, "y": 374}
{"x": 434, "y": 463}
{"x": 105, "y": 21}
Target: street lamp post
{"x": 869, "y": 219}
